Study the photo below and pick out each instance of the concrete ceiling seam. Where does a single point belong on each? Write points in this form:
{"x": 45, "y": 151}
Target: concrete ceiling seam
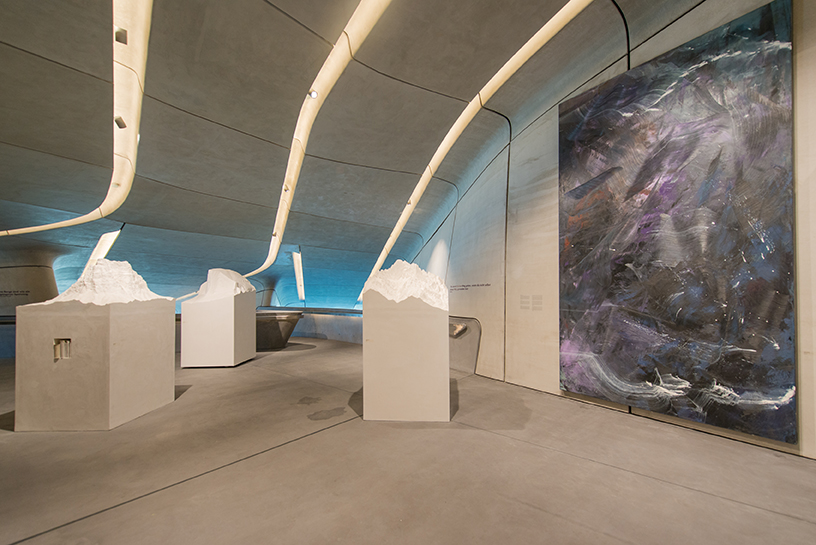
{"x": 74, "y": 159}
{"x": 69, "y": 67}
{"x": 295, "y": 19}
{"x": 469, "y": 187}
{"x": 627, "y": 56}
{"x": 416, "y": 85}
{"x": 354, "y": 34}
{"x": 214, "y": 122}
{"x": 626, "y": 28}
{"x": 207, "y": 194}
{"x": 670, "y": 23}
{"x": 558, "y": 21}
{"x": 129, "y": 62}
{"x": 509, "y": 123}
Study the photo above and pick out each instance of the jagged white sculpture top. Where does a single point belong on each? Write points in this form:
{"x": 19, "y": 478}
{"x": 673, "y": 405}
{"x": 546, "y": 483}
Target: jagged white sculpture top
{"x": 108, "y": 282}
{"x": 222, "y": 283}
{"x": 404, "y": 280}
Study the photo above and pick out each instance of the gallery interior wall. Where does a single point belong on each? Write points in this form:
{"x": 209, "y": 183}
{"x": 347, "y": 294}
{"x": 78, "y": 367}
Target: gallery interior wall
{"x": 517, "y": 201}
{"x": 497, "y": 248}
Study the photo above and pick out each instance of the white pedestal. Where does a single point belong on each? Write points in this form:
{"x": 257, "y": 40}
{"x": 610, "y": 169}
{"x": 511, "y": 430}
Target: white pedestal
{"x": 406, "y": 374}
{"x": 120, "y": 364}
{"x": 218, "y": 332}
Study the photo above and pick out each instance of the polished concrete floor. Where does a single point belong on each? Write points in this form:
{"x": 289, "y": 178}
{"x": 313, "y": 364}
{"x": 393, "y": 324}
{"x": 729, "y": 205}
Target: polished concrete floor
{"x": 274, "y": 451}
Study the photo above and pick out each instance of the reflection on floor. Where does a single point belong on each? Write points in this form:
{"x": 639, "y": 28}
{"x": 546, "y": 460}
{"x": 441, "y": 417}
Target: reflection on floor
{"x": 274, "y": 451}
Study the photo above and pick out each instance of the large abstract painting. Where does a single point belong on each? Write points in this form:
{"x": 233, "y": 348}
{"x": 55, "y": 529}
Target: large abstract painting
{"x": 676, "y": 231}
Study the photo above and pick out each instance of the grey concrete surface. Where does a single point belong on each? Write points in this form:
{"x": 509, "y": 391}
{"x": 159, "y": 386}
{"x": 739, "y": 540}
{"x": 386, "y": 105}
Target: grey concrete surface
{"x": 119, "y": 364}
{"x": 274, "y": 451}
{"x": 406, "y": 359}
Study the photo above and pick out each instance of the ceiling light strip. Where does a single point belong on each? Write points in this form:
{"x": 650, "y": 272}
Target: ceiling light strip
{"x": 297, "y": 261}
{"x": 102, "y": 248}
{"x": 129, "y": 60}
{"x": 544, "y": 35}
{"x": 366, "y": 15}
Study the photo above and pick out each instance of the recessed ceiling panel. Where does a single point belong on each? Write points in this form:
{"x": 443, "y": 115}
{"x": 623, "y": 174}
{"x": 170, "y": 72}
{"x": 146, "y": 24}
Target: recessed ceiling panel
{"x": 370, "y": 119}
{"x": 38, "y": 178}
{"x": 192, "y": 153}
{"x": 75, "y": 34}
{"x": 241, "y": 63}
{"x": 452, "y": 47}
{"x": 153, "y": 204}
{"x": 352, "y": 193}
{"x": 47, "y": 107}
{"x": 308, "y": 230}
{"x": 327, "y": 18}
{"x": 167, "y": 242}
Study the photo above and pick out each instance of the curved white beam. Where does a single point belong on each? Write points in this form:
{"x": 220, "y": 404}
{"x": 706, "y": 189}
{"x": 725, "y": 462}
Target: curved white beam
{"x": 129, "y": 60}
{"x": 544, "y": 35}
{"x": 366, "y": 15}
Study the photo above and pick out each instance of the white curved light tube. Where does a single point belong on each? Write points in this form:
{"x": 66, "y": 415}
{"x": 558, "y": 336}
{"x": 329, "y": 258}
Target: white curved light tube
{"x": 544, "y": 35}
{"x": 366, "y": 15}
{"x": 129, "y": 62}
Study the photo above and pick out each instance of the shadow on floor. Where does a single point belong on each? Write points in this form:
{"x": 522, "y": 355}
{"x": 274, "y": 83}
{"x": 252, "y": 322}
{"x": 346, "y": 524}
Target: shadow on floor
{"x": 7, "y": 421}
{"x": 181, "y": 388}
{"x": 355, "y": 402}
{"x": 290, "y": 347}
{"x": 454, "y": 397}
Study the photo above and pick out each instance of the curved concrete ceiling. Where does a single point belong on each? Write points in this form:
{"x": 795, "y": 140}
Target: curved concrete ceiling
{"x": 223, "y": 87}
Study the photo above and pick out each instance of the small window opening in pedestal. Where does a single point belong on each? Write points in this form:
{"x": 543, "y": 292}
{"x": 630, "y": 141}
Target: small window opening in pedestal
{"x": 120, "y": 35}
{"x": 119, "y": 122}
{"x": 62, "y": 349}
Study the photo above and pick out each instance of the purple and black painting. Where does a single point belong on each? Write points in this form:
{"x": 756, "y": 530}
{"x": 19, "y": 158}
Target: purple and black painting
{"x": 676, "y": 231}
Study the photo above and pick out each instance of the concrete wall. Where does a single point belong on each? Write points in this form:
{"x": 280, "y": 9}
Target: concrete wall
{"x": 475, "y": 234}
{"x": 804, "y": 153}
{"x": 521, "y": 330}
{"x": 346, "y": 328}
{"x": 24, "y": 285}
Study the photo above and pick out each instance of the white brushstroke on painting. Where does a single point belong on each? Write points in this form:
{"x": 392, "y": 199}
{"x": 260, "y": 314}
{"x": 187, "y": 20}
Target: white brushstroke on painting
{"x": 717, "y": 393}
